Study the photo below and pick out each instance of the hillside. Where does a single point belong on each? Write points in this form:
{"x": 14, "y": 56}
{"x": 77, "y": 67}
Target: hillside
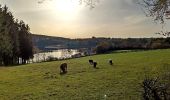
{"x": 43, "y": 42}
{"x": 121, "y": 81}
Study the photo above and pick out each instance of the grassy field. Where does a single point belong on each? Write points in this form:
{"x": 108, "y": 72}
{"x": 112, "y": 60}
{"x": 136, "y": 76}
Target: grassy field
{"x": 42, "y": 81}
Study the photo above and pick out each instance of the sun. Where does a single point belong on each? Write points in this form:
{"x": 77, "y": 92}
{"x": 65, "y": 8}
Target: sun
{"x": 66, "y": 9}
{"x": 65, "y": 6}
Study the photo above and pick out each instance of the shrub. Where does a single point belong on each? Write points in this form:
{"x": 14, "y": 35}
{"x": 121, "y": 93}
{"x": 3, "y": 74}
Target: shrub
{"x": 103, "y": 47}
{"x": 153, "y": 89}
{"x": 51, "y": 58}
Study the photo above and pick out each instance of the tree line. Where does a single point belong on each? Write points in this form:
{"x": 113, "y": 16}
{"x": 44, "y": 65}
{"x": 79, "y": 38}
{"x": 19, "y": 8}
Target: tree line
{"x": 100, "y": 45}
{"x": 132, "y": 44}
{"x": 15, "y": 39}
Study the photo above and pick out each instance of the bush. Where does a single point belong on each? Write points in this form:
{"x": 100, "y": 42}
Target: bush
{"x": 103, "y": 47}
{"x": 50, "y": 58}
{"x": 154, "y": 90}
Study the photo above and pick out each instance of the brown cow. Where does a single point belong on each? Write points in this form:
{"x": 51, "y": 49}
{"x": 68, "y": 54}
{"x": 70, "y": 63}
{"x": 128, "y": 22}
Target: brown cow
{"x": 63, "y": 68}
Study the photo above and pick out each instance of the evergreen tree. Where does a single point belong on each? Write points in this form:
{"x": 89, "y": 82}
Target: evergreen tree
{"x": 6, "y": 41}
{"x": 25, "y": 42}
{"x": 15, "y": 39}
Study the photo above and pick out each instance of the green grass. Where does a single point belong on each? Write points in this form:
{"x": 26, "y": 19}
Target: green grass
{"x": 42, "y": 81}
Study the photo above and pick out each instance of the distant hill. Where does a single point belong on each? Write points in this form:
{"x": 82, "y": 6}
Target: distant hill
{"x": 43, "y": 42}
{"x": 50, "y": 43}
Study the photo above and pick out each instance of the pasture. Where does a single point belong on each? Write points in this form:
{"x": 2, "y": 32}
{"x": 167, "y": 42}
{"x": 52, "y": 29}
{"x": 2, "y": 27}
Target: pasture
{"x": 42, "y": 81}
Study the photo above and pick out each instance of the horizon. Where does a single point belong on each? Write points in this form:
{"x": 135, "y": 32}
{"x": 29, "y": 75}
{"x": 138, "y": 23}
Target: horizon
{"x": 69, "y": 19}
{"x": 159, "y": 36}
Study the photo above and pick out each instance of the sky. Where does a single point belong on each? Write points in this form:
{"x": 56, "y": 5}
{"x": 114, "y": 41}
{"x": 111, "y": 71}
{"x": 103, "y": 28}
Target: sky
{"x": 69, "y": 18}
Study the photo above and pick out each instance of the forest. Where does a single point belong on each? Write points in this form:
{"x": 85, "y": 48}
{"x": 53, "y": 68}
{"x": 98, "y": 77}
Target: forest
{"x": 16, "y": 42}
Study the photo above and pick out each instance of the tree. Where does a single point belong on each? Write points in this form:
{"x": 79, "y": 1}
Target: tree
{"x": 5, "y": 39}
{"x": 15, "y": 39}
{"x": 103, "y": 47}
{"x": 158, "y": 9}
{"x": 90, "y": 3}
{"x": 25, "y": 42}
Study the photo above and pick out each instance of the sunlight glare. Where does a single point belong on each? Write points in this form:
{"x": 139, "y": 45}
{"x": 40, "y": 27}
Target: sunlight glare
{"x": 65, "y": 6}
{"x": 66, "y": 9}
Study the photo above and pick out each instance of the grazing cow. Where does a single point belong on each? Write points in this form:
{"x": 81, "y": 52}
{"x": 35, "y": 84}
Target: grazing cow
{"x": 110, "y": 62}
{"x": 91, "y": 62}
{"x": 94, "y": 64}
{"x": 63, "y": 68}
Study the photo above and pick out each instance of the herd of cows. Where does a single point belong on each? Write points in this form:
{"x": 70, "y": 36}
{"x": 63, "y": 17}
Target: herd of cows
{"x": 63, "y": 66}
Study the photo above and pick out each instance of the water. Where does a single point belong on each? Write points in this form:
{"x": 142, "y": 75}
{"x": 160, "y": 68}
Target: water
{"x": 55, "y": 54}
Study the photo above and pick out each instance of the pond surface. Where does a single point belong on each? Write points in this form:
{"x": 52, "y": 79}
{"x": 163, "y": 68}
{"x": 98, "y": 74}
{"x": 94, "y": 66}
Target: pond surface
{"x": 55, "y": 54}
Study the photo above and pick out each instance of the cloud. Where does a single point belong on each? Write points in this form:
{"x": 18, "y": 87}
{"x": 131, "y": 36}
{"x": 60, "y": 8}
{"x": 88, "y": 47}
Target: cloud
{"x": 135, "y": 19}
{"x": 118, "y": 18}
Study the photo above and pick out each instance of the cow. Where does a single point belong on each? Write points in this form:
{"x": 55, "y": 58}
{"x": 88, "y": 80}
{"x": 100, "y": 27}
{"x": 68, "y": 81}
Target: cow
{"x": 94, "y": 64}
{"x": 110, "y": 62}
{"x": 91, "y": 62}
{"x": 63, "y": 68}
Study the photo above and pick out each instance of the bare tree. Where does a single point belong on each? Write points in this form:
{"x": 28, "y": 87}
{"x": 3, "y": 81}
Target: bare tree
{"x": 90, "y": 3}
{"x": 158, "y": 9}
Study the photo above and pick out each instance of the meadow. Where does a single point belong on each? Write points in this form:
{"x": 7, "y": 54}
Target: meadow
{"x": 42, "y": 81}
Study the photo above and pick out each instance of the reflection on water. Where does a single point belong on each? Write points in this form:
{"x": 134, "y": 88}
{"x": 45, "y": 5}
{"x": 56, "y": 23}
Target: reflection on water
{"x": 55, "y": 54}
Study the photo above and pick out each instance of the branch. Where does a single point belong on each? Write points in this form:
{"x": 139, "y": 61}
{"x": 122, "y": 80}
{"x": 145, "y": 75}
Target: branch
{"x": 158, "y": 9}
{"x": 90, "y": 3}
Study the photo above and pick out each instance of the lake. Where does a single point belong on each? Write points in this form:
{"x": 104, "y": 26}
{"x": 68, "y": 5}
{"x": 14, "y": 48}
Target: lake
{"x": 54, "y": 54}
